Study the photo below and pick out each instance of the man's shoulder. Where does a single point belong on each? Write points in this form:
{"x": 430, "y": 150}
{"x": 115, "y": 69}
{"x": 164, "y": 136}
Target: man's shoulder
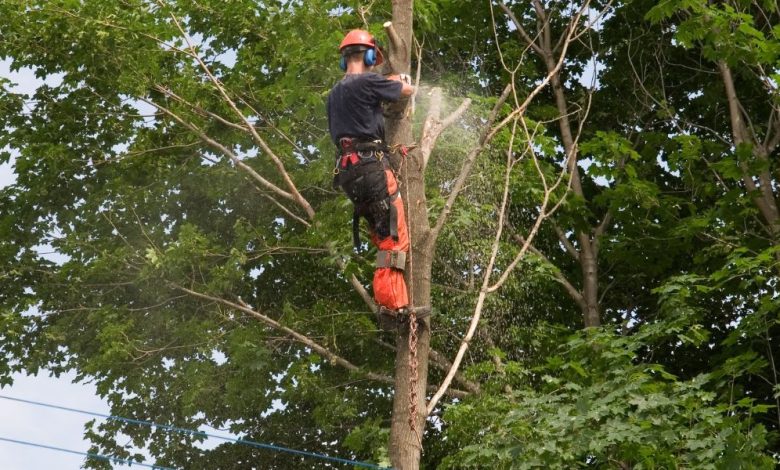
{"x": 367, "y": 83}
{"x": 376, "y": 77}
{"x": 362, "y": 81}
{"x": 365, "y": 77}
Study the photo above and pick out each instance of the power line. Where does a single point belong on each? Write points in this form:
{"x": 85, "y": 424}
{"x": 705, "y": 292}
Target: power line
{"x": 87, "y": 454}
{"x": 166, "y": 427}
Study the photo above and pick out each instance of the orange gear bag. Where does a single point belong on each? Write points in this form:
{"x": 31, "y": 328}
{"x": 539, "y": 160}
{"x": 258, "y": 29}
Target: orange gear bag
{"x": 389, "y": 285}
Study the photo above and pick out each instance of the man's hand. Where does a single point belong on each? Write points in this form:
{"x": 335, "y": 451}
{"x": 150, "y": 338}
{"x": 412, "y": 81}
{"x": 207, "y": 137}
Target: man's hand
{"x": 406, "y": 80}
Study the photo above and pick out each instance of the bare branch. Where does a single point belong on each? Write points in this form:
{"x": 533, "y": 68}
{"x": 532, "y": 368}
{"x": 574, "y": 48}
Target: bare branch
{"x": 281, "y": 206}
{"x": 270, "y": 124}
{"x": 434, "y": 126}
{"x": 297, "y": 197}
{"x": 523, "y": 249}
{"x": 566, "y": 242}
{"x": 298, "y": 337}
{"x": 467, "y": 166}
{"x": 573, "y": 292}
{"x": 222, "y": 149}
{"x": 198, "y": 109}
{"x": 301, "y": 338}
{"x": 520, "y": 30}
{"x": 483, "y": 291}
{"x": 511, "y": 71}
{"x": 553, "y": 71}
{"x": 553, "y": 68}
{"x": 590, "y": 23}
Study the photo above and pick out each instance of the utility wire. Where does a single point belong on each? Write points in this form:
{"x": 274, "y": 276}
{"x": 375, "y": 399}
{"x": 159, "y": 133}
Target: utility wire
{"x": 166, "y": 427}
{"x": 87, "y": 454}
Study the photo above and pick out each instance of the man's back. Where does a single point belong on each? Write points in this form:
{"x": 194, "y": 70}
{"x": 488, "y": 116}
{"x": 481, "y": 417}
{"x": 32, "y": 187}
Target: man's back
{"x": 354, "y": 106}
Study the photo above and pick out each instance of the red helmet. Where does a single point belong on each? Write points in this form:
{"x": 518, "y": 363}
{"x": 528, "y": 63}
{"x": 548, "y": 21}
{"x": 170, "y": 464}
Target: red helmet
{"x": 359, "y": 37}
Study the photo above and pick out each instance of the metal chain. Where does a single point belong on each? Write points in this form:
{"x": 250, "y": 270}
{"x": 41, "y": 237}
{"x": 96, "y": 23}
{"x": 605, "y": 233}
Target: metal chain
{"x": 414, "y": 376}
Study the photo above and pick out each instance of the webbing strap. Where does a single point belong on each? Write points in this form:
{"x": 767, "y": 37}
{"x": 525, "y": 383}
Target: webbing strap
{"x": 394, "y": 215}
{"x": 356, "y": 229}
{"x": 348, "y": 144}
{"x": 391, "y": 259}
{"x": 393, "y": 221}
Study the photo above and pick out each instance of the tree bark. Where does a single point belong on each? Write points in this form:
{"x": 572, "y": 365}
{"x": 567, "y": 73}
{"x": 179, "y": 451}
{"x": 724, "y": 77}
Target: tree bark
{"x": 406, "y": 430}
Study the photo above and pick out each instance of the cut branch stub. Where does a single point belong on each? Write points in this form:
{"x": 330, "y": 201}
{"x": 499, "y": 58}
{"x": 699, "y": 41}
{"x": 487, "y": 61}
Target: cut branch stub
{"x": 434, "y": 126}
{"x": 395, "y": 45}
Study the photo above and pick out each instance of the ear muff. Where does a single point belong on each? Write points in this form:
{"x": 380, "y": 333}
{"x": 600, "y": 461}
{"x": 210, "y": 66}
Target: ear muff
{"x": 369, "y": 57}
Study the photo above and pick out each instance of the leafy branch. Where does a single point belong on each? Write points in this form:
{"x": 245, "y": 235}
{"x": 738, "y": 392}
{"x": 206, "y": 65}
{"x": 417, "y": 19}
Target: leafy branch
{"x": 334, "y": 358}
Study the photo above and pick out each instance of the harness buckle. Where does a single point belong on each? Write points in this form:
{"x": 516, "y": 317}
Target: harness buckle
{"x": 347, "y": 144}
{"x": 351, "y": 158}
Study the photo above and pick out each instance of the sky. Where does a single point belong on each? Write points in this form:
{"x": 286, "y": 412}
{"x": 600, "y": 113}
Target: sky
{"x": 40, "y": 425}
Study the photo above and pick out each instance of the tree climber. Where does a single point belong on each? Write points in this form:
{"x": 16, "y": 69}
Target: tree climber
{"x": 363, "y": 168}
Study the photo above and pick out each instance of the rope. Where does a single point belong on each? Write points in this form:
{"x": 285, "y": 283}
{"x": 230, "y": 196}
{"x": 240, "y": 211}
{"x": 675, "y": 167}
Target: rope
{"x": 86, "y": 454}
{"x": 166, "y": 427}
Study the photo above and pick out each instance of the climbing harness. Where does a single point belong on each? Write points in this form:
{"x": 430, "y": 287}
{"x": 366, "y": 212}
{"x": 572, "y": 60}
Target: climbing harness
{"x": 360, "y": 171}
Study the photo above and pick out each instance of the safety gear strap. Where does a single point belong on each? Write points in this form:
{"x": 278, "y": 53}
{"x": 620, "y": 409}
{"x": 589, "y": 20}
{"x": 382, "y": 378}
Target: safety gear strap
{"x": 356, "y": 229}
{"x": 392, "y": 222}
{"x": 393, "y": 216}
{"x": 391, "y": 259}
{"x": 352, "y": 144}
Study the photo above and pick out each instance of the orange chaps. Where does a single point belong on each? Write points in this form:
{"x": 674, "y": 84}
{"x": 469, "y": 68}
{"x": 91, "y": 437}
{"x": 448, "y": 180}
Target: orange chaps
{"x": 389, "y": 285}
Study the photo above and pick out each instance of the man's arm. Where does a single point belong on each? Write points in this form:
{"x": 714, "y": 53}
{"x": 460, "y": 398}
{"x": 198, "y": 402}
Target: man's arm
{"x": 407, "y": 89}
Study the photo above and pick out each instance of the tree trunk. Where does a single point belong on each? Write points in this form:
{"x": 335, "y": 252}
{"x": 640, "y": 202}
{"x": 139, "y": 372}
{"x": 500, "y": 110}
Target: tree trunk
{"x": 405, "y": 439}
{"x": 763, "y": 195}
{"x": 588, "y": 251}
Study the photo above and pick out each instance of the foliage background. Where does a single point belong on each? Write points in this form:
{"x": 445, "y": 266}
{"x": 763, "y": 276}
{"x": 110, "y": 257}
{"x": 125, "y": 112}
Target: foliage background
{"x": 681, "y": 374}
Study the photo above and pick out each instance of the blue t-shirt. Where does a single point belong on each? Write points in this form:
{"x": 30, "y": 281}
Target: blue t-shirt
{"x": 355, "y": 106}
